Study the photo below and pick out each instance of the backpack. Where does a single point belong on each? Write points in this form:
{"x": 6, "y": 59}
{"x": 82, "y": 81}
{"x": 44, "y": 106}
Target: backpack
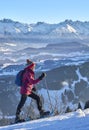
{"x": 19, "y": 77}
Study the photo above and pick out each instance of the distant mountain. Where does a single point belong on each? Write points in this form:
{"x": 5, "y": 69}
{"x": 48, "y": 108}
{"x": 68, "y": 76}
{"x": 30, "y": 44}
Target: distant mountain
{"x": 65, "y": 30}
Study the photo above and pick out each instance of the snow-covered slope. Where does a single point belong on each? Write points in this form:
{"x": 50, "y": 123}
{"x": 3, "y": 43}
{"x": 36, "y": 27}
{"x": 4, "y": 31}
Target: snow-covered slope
{"x": 78, "y": 120}
{"x": 67, "y": 30}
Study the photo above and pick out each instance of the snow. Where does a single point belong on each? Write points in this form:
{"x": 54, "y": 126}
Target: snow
{"x": 2, "y": 49}
{"x": 10, "y": 44}
{"x": 71, "y": 29}
{"x": 78, "y": 120}
{"x": 67, "y": 29}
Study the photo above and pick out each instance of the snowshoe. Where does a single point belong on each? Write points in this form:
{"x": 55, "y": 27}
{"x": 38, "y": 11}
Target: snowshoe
{"x": 44, "y": 114}
{"x": 18, "y": 120}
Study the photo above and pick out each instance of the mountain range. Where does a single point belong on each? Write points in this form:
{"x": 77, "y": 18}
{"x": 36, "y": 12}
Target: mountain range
{"x": 68, "y": 29}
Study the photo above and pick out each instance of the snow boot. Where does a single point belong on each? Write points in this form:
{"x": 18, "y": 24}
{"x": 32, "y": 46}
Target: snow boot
{"x": 44, "y": 113}
{"x": 18, "y": 119}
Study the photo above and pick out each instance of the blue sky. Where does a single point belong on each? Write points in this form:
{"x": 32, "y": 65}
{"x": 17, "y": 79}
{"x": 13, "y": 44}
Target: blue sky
{"x": 49, "y": 11}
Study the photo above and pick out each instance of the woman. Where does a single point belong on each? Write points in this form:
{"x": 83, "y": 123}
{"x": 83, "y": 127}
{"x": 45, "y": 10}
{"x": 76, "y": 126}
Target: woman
{"x": 26, "y": 90}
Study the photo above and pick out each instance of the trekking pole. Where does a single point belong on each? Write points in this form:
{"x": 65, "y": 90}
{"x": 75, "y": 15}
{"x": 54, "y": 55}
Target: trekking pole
{"x": 48, "y": 94}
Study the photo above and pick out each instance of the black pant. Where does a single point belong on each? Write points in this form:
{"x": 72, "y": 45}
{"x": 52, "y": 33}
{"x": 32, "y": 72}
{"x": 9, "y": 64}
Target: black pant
{"x": 23, "y": 100}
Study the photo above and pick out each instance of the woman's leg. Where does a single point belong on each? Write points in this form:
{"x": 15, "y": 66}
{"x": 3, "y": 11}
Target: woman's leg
{"x": 37, "y": 98}
{"x": 20, "y": 105}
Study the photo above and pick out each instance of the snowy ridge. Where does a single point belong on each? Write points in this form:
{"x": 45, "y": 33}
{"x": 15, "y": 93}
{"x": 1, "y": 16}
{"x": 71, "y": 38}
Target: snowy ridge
{"x": 78, "y": 120}
{"x": 67, "y": 29}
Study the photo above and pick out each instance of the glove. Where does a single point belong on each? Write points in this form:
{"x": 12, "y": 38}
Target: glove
{"x": 42, "y": 76}
{"x": 34, "y": 89}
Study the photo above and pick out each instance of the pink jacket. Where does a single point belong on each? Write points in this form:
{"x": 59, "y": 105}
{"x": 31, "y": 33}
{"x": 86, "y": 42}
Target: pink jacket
{"x": 28, "y": 81}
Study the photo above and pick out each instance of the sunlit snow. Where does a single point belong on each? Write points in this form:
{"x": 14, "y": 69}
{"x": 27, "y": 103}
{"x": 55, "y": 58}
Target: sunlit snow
{"x": 78, "y": 120}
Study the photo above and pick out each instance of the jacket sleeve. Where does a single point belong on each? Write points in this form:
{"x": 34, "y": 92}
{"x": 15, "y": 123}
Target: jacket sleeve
{"x": 32, "y": 80}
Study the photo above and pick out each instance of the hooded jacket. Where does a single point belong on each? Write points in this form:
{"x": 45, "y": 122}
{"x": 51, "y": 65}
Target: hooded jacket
{"x": 28, "y": 80}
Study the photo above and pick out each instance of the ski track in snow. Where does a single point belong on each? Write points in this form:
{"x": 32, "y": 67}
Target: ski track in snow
{"x": 78, "y": 120}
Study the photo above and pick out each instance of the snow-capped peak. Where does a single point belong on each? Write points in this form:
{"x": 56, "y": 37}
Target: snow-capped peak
{"x": 66, "y": 29}
{"x": 71, "y": 29}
